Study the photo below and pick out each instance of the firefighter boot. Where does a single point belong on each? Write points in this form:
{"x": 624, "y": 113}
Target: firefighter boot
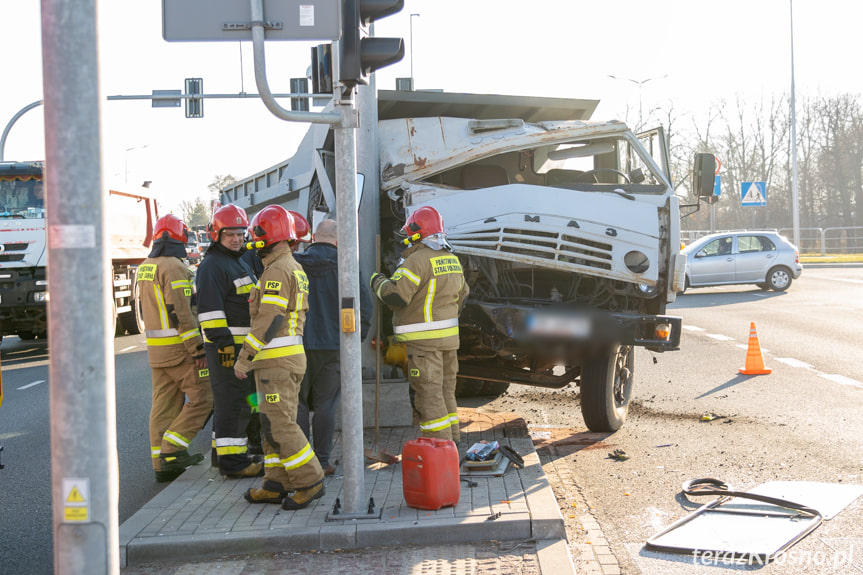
{"x": 254, "y": 469}
{"x": 269, "y": 492}
{"x": 301, "y": 498}
{"x": 173, "y": 464}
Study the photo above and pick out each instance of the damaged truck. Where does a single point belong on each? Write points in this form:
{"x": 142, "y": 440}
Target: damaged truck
{"x": 567, "y": 230}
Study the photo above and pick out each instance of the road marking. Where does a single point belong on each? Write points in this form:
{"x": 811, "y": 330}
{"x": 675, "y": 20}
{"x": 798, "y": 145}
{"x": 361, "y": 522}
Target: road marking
{"x": 848, "y": 280}
{"x": 128, "y": 348}
{"x": 841, "y": 379}
{"x": 720, "y": 337}
{"x": 29, "y": 385}
{"x": 693, "y": 328}
{"x": 793, "y": 362}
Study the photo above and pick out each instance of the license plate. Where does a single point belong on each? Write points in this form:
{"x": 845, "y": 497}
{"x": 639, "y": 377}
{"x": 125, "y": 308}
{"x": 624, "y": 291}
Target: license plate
{"x": 569, "y": 325}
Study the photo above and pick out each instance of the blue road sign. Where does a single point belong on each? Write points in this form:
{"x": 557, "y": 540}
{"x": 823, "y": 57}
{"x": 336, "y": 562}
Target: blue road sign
{"x": 717, "y": 181}
{"x": 753, "y": 194}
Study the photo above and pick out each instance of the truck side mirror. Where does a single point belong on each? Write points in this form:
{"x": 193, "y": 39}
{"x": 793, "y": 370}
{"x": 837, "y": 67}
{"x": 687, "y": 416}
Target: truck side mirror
{"x": 703, "y": 173}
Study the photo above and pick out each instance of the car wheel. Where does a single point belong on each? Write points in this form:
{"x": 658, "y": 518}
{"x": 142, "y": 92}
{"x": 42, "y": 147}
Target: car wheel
{"x": 779, "y": 278}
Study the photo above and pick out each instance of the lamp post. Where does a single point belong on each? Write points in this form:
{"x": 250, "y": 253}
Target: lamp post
{"x": 412, "y": 48}
{"x": 640, "y": 84}
{"x": 795, "y": 198}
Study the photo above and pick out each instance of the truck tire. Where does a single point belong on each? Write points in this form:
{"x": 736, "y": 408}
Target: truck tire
{"x": 465, "y": 387}
{"x": 133, "y": 321}
{"x": 606, "y": 385}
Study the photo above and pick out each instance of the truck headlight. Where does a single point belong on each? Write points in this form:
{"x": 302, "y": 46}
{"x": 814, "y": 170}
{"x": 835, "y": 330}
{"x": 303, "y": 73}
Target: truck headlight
{"x": 40, "y": 296}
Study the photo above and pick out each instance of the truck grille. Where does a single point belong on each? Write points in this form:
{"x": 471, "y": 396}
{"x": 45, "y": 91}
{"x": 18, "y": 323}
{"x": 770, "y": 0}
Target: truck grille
{"x": 4, "y": 257}
{"x": 536, "y": 245}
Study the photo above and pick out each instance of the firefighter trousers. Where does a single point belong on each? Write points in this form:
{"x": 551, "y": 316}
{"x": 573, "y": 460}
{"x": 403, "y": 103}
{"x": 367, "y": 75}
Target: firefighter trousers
{"x": 432, "y": 377}
{"x": 233, "y": 399}
{"x": 174, "y": 422}
{"x": 288, "y": 458}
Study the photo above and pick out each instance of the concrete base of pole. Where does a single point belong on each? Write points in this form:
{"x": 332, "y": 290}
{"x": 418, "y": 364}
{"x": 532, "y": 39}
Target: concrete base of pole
{"x": 395, "y": 404}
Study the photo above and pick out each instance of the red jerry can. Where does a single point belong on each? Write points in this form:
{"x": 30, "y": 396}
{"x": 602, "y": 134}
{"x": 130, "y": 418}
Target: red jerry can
{"x": 430, "y": 474}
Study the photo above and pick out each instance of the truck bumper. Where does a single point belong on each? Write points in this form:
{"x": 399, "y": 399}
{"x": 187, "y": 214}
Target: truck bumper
{"x": 23, "y": 301}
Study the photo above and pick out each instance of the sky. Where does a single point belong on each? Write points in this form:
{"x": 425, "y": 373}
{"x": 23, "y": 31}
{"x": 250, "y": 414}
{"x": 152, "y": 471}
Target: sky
{"x": 668, "y": 53}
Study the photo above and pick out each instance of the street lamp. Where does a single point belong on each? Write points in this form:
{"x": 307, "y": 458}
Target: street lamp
{"x": 640, "y": 84}
{"x": 412, "y": 48}
{"x": 795, "y": 191}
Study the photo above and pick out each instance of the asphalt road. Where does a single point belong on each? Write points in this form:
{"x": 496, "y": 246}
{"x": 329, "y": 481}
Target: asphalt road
{"x": 26, "y": 523}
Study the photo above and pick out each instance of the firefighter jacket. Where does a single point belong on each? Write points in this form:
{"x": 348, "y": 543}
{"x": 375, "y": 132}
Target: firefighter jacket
{"x": 224, "y": 282}
{"x": 277, "y": 306}
{"x": 426, "y": 294}
{"x": 165, "y": 288}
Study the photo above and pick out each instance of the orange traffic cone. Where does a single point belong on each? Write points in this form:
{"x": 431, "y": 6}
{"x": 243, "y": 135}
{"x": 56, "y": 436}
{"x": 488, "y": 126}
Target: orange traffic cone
{"x": 754, "y": 359}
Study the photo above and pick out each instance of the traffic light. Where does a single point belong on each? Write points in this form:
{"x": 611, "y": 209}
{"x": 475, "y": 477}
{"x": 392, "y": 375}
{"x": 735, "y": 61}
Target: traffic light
{"x": 194, "y": 106}
{"x": 360, "y": 55}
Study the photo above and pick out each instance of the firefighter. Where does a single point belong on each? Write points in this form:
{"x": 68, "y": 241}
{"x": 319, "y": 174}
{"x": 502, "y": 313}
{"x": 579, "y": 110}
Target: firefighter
{"x": 175, "y": 351}
{"x": 426, "y": 294}
{"x": 224, "y": 282}
{"x": 274, "y": 349}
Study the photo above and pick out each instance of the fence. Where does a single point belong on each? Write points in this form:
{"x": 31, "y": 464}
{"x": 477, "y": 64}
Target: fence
{"x": 847, "y": 240}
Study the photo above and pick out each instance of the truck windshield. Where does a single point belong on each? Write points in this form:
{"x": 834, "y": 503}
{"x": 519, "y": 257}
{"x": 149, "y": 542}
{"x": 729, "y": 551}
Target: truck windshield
{"x": 596, "y": 164}
{"x": 22, "y": 196}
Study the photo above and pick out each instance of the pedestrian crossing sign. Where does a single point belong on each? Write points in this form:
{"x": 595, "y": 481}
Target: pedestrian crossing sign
{"x": 753, "y": 194}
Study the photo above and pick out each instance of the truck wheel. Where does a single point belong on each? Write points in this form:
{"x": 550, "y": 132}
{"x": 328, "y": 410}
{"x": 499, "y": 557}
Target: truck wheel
{"x": 133, "y": 321}
{"x": 465, "y": 387}
{"x": 606, "y": 385}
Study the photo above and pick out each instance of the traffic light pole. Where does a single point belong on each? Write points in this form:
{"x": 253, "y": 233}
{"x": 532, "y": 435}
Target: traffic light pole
{"x": 85, "y": 480}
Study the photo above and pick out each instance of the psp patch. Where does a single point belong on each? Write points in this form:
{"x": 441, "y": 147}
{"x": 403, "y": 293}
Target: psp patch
{"x": 203, "y": 373}
{"x": 415, "y": 373}
{"x": 272, "y": 398}
{"x": 271, "y": 285}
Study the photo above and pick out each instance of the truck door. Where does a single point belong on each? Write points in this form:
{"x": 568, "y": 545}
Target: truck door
{"x": 654, "y": 142}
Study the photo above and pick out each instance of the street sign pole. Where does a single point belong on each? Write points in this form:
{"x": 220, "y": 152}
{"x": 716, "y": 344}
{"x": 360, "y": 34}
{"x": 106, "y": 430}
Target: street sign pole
{"x": 85, "y": 481}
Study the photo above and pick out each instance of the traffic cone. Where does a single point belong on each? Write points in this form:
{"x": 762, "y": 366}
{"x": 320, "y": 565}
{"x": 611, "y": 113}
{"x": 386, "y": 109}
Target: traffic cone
{"x": 754, "y": 359}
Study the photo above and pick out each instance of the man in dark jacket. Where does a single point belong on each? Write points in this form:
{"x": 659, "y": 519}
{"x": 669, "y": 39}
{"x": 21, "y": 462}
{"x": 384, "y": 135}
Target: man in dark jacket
{"x": 321, "y": 387}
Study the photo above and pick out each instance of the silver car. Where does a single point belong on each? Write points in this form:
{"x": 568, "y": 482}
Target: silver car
{"x": 765, "y": 259}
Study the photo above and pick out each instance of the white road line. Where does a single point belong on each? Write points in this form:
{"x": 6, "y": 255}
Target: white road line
{"x": 720, "y": 337}
{"x": 793, "y": 362}
{"x": 29, "y": 385}
{"x": 841, "y": 379}
{"x": 693, "y": 328}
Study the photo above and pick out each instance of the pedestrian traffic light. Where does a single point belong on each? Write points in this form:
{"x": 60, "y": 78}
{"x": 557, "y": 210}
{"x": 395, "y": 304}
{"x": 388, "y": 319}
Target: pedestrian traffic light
{"x": 360, "y": 55}
{"x": 194, "y": 106}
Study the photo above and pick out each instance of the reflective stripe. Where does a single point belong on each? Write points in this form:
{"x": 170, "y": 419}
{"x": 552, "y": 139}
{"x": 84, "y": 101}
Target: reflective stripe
{"x": 301, "y": 458}
{"x": 155, "y": 451}
{"x": 275, "y": 300}
{"x": 161, "y": 332}
{"x": 190, "y": 334}
{"x": 244, "y": 284}
{"x": 254, "y": 342}
{"x": 426, "y": 326}
{"x": 272, "y": 460}
{"x": 231, "y": 445}
{"x": 240, "y": 330}
{"x": 281, "y": 347}
{"x": 159, "y": 341}
{"x": 160, "y": 303}
{"x": 211, "y": 315}
{"x": 175, "y": 438}
{"x": 181, "y": 284}
{"x": 436, "y": 424}
{"x": 453, "y": 419}
{"x": 433, "y": 334}
{"x": 408, "y": 274}
{"x": 427, "y": 311}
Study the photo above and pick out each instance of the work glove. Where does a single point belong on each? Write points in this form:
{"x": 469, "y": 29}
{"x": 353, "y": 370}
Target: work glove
{"x": 377, "y": 278}
{"x": 227, "y": 356}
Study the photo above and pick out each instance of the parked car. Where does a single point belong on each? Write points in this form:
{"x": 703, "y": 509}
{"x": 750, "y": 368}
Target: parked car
{"x": 765, "y": 259}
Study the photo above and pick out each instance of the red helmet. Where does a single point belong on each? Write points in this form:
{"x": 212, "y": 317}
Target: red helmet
{"x": 171, "y": 225}
{"x": 302, "y": 227}
{"x": 229, "y": 216}
{"x": 422, "y": 223}
{"x": 274, "y": 224}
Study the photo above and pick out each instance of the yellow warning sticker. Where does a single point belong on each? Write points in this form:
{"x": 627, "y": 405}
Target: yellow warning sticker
{"x": 75, "y": 496}
{"x": 76, "y": 499}
{"x": 76, "y": 514}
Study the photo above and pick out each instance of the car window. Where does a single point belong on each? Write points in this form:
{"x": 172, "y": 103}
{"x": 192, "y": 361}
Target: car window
{"x": 746, "y": 244}
{"x": 717, "y": 247}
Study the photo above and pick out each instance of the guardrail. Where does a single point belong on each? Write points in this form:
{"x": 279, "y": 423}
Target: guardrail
{"x": 823, "y": 241}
